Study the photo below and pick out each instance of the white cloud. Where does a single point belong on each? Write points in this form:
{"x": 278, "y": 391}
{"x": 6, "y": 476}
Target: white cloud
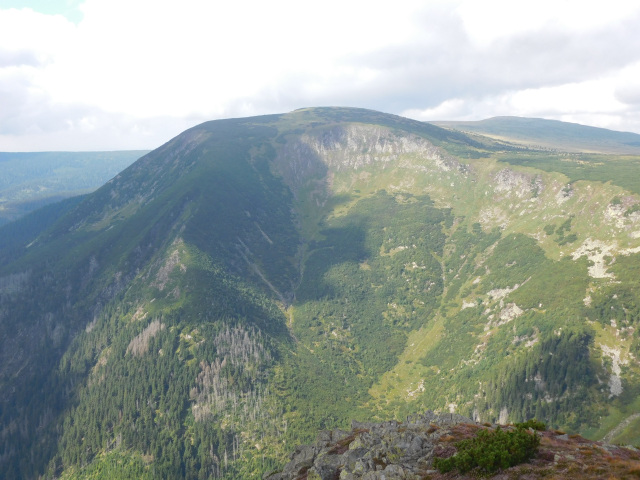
{"x": 628, "y": 87}
{"x": 593, "y": 102}
{"x": 454, "y": 108}
{"x": 490, "y": 21}
{"x": 40, "y": 35}
{"x": 574, "y": 98}
{"x": 168, "y": 64}
{"x": 153, "y": 58}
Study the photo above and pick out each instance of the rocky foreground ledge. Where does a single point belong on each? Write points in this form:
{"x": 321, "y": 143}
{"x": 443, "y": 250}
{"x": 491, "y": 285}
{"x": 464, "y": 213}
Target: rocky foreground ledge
{"x": 406, "y": 450}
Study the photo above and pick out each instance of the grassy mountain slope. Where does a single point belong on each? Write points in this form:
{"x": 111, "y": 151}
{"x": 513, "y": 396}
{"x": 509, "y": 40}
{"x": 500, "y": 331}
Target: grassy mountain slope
{"x": 504, "y": 262}
{"x": 552, "y": 134}
{"x": 32, "y": 180}
{"x": 254, "y": 280}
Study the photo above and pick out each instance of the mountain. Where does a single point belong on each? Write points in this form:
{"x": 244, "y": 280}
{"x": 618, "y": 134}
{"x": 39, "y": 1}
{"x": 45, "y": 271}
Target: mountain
{"x": 256, "y": 280}
{"x": 34, "y": 179}
{"x": 552, "y": 134}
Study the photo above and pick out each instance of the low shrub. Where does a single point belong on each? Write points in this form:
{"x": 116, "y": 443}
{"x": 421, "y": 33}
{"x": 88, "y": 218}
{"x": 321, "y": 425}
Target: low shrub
{"x": 533, "y": 423}
{"x": 492, "y": 450}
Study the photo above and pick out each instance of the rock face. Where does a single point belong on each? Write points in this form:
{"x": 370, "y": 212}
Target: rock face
{"x": 388, "y": 450}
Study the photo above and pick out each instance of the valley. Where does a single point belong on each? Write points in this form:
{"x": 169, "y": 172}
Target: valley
{"x": 31, "y": 180}
{"x": 254, "y": 281}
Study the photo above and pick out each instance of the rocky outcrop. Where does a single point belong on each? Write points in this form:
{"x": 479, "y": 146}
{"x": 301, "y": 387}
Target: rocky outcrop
{"x": 311, "y": 159}
{"x": 388, "y": 450}
{"x": 406, "y": 450}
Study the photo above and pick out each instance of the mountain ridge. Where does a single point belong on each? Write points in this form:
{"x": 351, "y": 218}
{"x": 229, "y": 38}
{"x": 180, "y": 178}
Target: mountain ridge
{"x": 255, "y": 280}
{"x": 34, "y": 179}
{"x": 554, "y": 134}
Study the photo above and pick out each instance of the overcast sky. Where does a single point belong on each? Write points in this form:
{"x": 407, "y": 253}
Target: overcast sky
{"x": 131, "y": 74}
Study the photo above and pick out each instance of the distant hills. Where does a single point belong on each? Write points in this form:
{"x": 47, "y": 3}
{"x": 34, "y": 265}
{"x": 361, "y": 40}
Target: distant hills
{"x": 31, "y": 180}
{"x": 256, "y": 280}
{"x": 552, "y": 134}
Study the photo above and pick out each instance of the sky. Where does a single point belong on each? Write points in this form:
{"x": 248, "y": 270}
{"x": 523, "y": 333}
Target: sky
{"x": 131, "y": 74}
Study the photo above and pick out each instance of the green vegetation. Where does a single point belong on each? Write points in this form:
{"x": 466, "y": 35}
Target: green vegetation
{"x": 358, "y": 298}
{"x": 631, "y": 210}
{"x": 565, "y": 227}
{"x": 115, "y": 464}
{"x": 541, "y": 134}
{"x": 29, "y": 181}
{"x": 549, "y": 380}
{"x": 491, "y": 450}
{"x": 183, "y": 274}
{"x": 15, "y": 238}
{"x": 533, "y": 423}
{"x": 619, "y": 170}
{"x": 255, "y": 280}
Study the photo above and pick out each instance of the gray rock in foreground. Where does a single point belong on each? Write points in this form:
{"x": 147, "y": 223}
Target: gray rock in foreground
{"x": 388, "y": 450}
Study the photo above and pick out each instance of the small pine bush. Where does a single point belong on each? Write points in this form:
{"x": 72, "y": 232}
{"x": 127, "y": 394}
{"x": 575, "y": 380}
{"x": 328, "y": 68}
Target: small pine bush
{"x": 533, "y": 423}
{"x": 492, "y": 450}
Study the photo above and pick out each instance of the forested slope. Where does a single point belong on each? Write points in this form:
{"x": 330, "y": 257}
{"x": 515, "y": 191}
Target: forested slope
{"x": 30, "y": 180}
{"x": 255, "y": 280}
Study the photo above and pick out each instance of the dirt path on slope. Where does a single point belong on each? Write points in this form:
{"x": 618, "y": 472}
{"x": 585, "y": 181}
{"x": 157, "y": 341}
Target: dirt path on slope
{"x": 621, "y": 426}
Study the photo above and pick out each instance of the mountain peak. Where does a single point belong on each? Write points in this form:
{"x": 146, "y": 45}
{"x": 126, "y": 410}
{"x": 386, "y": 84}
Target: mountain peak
{"x": 256, "y": 280}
